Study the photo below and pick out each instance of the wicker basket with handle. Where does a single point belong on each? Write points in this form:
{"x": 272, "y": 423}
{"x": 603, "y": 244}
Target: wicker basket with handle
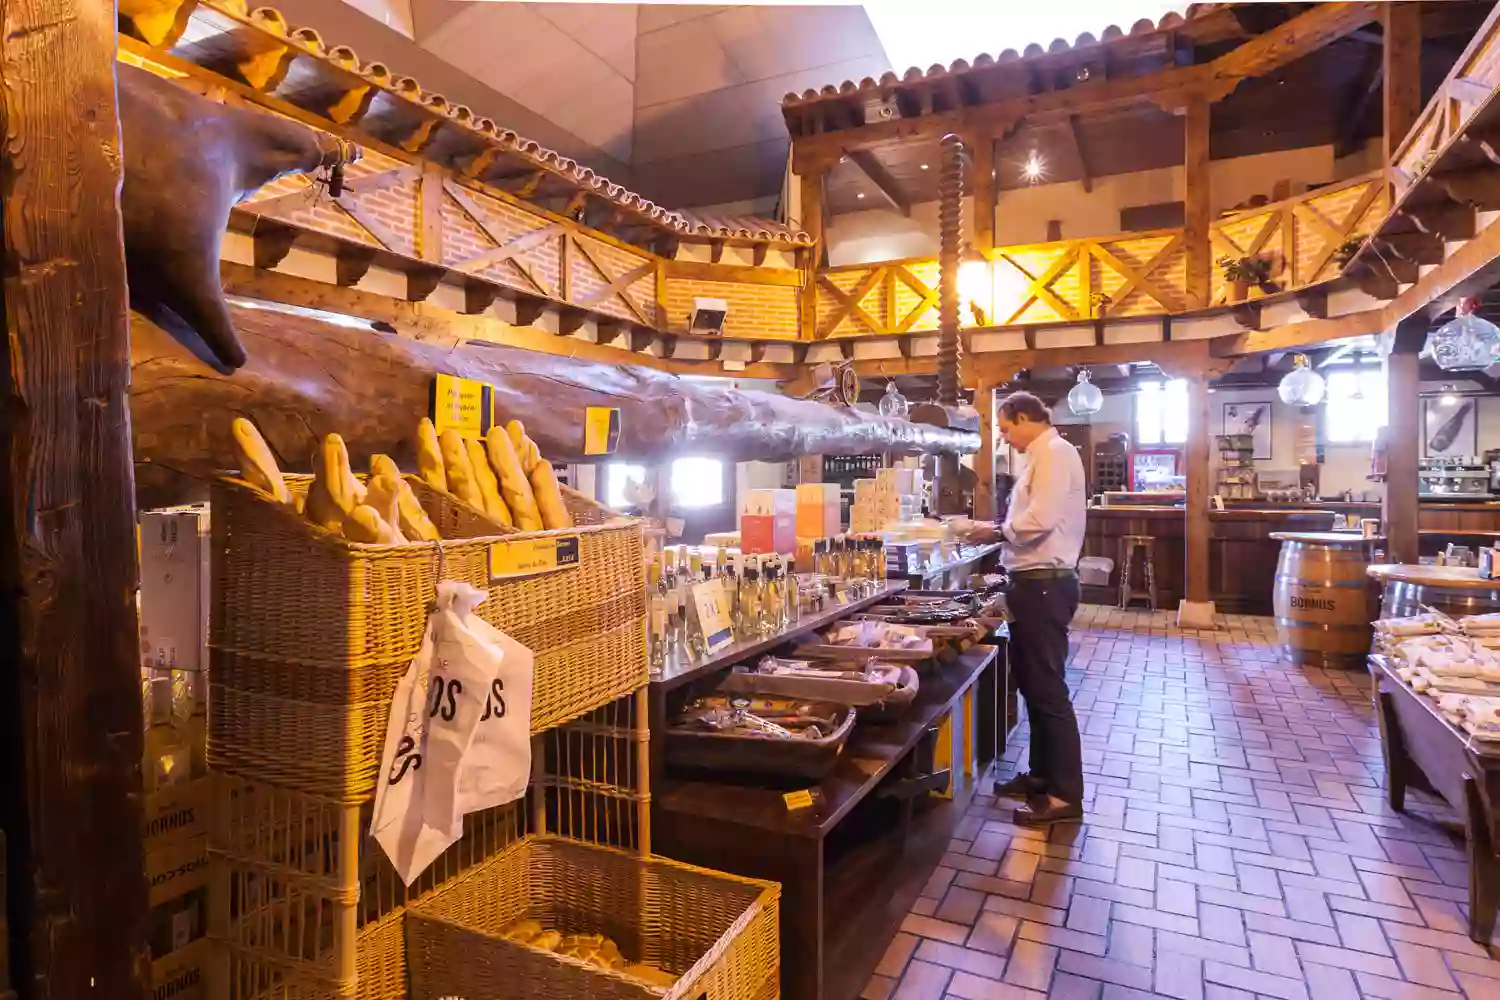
{"x": 311, "y": 633}
{"x": 717, "y": 933}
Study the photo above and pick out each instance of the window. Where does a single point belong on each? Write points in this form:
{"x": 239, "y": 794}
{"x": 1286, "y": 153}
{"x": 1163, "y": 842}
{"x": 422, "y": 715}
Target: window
{"x": 1161, "y": 413}
{"x": 1356, "y": 406}
{"x": 617, "y": 475}
{"x": 696, "y": 482}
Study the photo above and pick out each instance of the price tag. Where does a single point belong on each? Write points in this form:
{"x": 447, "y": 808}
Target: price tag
{"x": 712, "y": 604}
{"x": 800, "y": 799}
{"x": 533, "y": 556}
{"x": 461, "y": 405}
{"x": 601, "y": 430}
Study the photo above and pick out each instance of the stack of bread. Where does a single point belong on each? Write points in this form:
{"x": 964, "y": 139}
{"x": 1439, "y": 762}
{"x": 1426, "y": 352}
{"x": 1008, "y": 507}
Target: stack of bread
{"x": 593, "y": 949}
{"x": 505, "y": 476}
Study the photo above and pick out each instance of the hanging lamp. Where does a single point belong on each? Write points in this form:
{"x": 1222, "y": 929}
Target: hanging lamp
{"x": 1302, "y": 386}
{"x": 1465, "y": 342}
{"x": 893, "y": 404}
{"x": 1085, "y": 399}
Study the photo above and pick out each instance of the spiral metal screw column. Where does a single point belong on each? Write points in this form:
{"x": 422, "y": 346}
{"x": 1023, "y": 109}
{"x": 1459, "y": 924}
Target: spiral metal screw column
{"x": 954, "y": 165}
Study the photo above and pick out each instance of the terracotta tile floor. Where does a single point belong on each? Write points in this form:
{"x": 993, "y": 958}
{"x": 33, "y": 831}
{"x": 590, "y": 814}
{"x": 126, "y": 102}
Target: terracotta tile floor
{"x": 1237, "y": 845}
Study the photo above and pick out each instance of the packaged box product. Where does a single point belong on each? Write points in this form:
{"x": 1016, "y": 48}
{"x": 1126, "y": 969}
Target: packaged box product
{"x": 178, "y": 879}
{"x": 183, "y": 974}
{"x": 174, "y": 588}
{"x": 768, "y": 522}
{"x": 177, "y": 813}
{"x": 818, "y": 510}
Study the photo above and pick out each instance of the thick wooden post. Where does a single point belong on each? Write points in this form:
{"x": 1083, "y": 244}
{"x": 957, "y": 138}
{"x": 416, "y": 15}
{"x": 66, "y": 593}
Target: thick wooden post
{"x": 1402, "y": 71}
{"x": 1403, "y": 440}
{"x": 982, "y": 149}
{"x": 1197, "y": 608}
{"x": 810, "y": 218}
{"x": 1196, "y": 206}
{"x": 69, "y": 668}
{"x": 984, "y": 458}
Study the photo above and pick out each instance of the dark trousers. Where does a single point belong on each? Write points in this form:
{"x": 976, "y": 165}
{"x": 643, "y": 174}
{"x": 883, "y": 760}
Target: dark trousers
{"x": 1041, "y": 609}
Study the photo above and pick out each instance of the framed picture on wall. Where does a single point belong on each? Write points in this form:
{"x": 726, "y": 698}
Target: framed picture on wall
{"x": 1252, "y": 418}
{"x": 1450, "y": 426}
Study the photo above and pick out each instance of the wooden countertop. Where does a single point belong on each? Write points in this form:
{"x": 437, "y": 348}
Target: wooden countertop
{"x": 1437, "y": 576}
{"x": 1340, "y": 538}
{"x": 1233, "y": 514}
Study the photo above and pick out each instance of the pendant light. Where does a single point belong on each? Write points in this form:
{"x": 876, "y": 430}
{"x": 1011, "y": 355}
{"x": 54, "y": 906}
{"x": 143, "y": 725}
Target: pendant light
{"x": 1302, "y": 386}
{"x": 893, "y": 404}
{"x": 1085, "y": 399}
{"x": 1466, "y": 341}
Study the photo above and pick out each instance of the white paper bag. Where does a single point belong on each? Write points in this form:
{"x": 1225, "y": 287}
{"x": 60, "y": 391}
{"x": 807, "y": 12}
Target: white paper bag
{"x": 458, "y": 738}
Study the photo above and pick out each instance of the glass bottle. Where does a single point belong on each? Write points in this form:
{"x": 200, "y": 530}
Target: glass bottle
{"x": 656, "y": 597}
{"x": 790, "y": 606}
{"x": 673, "y": 597}
{"x": 731, "y": 584}
{"x": 696, "y": 644}
{"x": 770, "y": 604}
{"x": 749, "y": 603}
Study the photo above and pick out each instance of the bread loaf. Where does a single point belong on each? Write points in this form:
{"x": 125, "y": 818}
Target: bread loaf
{"x": 544, "y": 488}
{"x": 257, "y": 465}
{"x": 413, "y": 520}
{"x": 515, "y": 488}
{"x": 331, "y": 497}
{"x": 430, "y": 457}
{"x": 364, "y": 524}
{"x": 461, "y": 481}
{"x": 489, "y": 486}
{"x": 384, "y": 497}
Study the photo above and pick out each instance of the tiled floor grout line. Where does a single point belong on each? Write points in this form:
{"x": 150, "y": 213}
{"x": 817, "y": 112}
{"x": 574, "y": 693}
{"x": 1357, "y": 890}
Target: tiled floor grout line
{"x": 1237, "y": 846}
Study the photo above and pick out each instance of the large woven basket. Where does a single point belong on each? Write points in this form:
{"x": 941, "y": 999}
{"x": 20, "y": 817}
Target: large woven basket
{"x": 718, "y": 933}
{"x": 311, "y": 633}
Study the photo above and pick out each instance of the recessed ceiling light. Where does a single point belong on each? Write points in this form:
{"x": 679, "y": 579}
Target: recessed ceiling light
{"x": 860, "y": 195}
{"x": 1034, "y": 168}
{"x": 924, "y": 166}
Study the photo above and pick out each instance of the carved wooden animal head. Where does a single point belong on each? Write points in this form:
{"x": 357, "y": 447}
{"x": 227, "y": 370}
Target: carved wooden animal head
{"x": 188, "y": 160}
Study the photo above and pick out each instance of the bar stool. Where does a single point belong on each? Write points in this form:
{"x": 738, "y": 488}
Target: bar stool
{"x": 1129, "y": 545}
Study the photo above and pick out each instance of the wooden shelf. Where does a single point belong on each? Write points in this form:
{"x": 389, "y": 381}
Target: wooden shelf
{"x": 678, "y": 674}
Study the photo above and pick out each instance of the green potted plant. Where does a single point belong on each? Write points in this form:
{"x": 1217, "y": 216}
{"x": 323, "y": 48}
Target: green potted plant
{"x": 1240, "y": 273}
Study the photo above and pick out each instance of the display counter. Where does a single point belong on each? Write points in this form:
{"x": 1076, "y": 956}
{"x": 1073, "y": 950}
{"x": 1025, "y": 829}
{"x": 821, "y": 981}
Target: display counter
{"x": 1453, "y": 590}
{"x": 1242, "y": 553}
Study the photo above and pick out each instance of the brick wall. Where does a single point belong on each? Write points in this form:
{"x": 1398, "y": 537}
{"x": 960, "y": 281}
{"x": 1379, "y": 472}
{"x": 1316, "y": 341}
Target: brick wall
{"x": 755, "y": 311}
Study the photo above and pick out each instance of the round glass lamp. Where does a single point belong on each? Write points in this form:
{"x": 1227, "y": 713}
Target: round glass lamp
{"x": 1085, "y": 399}
{"x": 1466, "y": 342}
{"x": 1302, "y": 386}
{"x": 893, "y": 404}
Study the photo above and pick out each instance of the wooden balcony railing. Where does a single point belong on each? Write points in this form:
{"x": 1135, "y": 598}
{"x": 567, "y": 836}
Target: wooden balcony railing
{"x": 1303, "y": 241}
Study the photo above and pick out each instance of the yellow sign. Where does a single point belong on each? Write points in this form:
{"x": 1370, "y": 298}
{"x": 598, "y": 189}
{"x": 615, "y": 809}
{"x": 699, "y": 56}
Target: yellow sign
{"x": 533, "y": 556}
{"x": 712, "y": 604}
{"x": 461, "y": 405}
{"x": 798, "y": 799}
{"x": 601, "y": 430}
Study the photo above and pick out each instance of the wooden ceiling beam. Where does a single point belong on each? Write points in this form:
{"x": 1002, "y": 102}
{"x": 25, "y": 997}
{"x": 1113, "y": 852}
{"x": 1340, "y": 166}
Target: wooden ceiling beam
{"x": 1075, "y": 133}
{"x": 867, "y": 163}
{"x": 1289, "y": 41}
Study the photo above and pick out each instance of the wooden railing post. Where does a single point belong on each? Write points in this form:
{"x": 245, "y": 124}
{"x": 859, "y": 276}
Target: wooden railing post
{"x": 1197, "y": 608}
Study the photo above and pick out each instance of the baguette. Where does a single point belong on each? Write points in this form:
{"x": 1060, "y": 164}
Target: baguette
{"x": 543, "y": 480}
{"x": 364, "y": 524}
{"x": 489, "y": 486}
{"x": 385, "y": 497}
{"x": 257, "y": 464}
{"x": 331, "y": 498}
{"x": 430, "y": 457}
{"x": 514, "y": 485}
{"x": 414, "y": 522}
{"x": 461, "y": 481}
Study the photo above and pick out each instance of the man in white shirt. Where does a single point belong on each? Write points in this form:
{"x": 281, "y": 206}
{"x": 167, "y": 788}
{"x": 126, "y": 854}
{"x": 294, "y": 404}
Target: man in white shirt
{"x": 1044, "y": 534}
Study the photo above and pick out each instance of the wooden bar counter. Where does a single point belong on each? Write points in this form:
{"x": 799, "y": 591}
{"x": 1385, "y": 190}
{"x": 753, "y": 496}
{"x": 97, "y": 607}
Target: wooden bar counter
{"x": 1242, "y": 553}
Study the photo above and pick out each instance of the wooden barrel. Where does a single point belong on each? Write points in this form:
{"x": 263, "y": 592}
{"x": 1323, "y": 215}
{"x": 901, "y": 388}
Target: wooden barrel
{"x": 1322, "y": 598}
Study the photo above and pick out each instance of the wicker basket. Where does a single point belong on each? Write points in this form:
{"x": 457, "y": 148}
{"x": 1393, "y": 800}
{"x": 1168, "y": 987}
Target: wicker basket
{"x": 302, "y": 918}
{"x": 718, "y": 933}
{"x": 311, "y": 633}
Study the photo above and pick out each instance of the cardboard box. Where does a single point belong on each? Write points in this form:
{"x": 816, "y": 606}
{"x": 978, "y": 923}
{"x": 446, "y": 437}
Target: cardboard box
{"x": 178, "y": 877}
{"x": 177, "y": 814}
{"x": 768, "y": 522}
{"x": 174, "y": 588}
{"x": 183, "y": 974}
{"x": 818, "y": 510}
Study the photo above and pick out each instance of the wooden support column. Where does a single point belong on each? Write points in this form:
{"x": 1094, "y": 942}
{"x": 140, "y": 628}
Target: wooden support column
{"x": 1196, "y": 205}
{"x": 70, "y": 791}
{"x": 1402, "y": 71}
{"x": 982, "y": 149}
{"x": 984, "y": 458}
{"x": 1403, "y": 443}
{"x": 430, "y": 229}
{"x": 810, "y": 218}
{"x": 1197, "y": 608}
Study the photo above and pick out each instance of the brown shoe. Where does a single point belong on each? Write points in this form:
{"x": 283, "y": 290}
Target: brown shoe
{"x": 1022, "y": 786}
{"x": 1042, "y": 813}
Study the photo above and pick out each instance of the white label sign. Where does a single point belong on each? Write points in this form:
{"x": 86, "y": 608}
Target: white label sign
{"x": 712, "y": 603}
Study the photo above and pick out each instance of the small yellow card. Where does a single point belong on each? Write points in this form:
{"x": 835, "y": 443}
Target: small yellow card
{"x": 712, "y": 604}
{"x": 601, "y": 430}
{"x": 461, "y": 405}
{"x": 533, "y": 556}
{"x": 800, "y": 799}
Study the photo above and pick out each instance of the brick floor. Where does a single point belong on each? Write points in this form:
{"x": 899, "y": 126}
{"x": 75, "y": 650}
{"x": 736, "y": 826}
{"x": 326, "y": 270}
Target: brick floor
{"x": 1237, "y": 846}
